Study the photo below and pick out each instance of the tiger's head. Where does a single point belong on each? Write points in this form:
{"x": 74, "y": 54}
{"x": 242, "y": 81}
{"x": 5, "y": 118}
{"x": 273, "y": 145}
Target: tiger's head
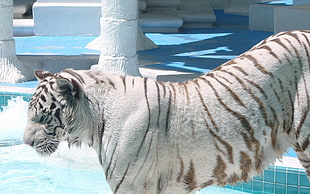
{"x": 51, "y": 111}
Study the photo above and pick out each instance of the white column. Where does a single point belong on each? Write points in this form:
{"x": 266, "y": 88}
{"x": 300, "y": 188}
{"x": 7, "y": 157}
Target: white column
{"x": 119, "y": 24}
{"x": 301, "y": 2}
{"x": 11, "y": 70}
{"x": 240, "y": 7}
{"x": 67, "y": 17}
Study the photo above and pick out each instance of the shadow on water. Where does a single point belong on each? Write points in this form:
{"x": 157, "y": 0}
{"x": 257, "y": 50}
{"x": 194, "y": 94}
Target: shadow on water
{"x": 199, "y": 51}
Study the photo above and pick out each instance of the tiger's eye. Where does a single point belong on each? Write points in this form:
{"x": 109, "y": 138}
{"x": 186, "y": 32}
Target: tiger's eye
{"x": 52, "y": 106}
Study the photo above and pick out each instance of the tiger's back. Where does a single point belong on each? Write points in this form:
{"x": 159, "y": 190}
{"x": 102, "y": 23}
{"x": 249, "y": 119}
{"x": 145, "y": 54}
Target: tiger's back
{"x": 223, "y": 127}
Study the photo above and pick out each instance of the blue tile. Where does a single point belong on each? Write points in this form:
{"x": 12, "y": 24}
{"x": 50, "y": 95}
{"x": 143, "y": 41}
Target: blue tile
{"x": 292, "y": 178}
{"x": 259, "y": 177}
{"x": 281, "y": 177}
{"x": 292, "y": 190}
{"x": 304, "y": 181}
{"x": 269, "y": 187}
{"x": 269, "y": 175}
{"x": 304, "y": 190}
{"x": 248, "y": 186}
{"x": 258, "y": 185}
{"x": 279, "y": 188}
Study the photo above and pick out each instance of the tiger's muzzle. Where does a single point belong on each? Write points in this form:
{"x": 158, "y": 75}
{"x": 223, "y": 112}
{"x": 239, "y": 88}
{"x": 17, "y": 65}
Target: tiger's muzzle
{"x": 36, "y": 137}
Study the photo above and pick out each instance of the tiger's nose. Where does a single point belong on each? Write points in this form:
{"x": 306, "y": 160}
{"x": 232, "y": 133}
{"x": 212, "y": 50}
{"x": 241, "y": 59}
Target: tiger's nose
{"x": 31, "y": 143}
{"x": 29, "y": 136}
{"x": 28, "y": 140}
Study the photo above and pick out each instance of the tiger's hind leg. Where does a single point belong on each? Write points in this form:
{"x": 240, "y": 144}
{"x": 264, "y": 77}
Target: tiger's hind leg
{"x": 303, "y": 153}
{"x": 302, "y": 147}
{"x": 305, "y": 162}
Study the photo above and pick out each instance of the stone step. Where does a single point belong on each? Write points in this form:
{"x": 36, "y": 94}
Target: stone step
{"x": 23, "y": 27}
{"x": 151, "y": 22}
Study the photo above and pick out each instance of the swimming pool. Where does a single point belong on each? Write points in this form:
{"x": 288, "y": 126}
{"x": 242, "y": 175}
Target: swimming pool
{"x": 78, "y": 171}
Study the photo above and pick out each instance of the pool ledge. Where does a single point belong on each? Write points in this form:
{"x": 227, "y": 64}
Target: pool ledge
{"x": 287, "y": 161}
{"x": 13, "y": 89}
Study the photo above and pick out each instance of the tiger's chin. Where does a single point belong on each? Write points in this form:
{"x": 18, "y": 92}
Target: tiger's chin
{"x": 35, "y": 136}
{"x": 46, "y": 147}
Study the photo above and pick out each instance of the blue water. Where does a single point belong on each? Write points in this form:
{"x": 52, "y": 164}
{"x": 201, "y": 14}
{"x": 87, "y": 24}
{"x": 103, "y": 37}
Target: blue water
{"x": 22, "y": 171}
{"x": 28, "y": 84}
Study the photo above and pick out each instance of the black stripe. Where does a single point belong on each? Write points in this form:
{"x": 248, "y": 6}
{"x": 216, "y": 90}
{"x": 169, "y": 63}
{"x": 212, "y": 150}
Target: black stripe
{"x": 296, "y": 52}
{"x": 253, "y": 96}
{"x": 232, "y": 93}
{"x": 306, "y": 49}
{"x": 243, "y": 85}
{"x": 245, "y": 165}
{"x": 180, "y": 174}
{"x": 164, "y": 88}
{"x": 121, "y": 181}
{"x": 230, "y": 62}
{"x": 74, "y": 74}
{"x": 190, "y": 178}
{"x": 224, "y": 78}
{"x": 187, "y": 94}
{"x": 305, "y": 145}
{"x": 196, "y": 81}
{"x": 151, "y": 141}
{"x": 305, "y": 112}
{"x": 241, "y": 70}
{"x": 42, "y": 97}
{"x": 257, "y": 65}
{"x": 266, "y": 47}
{"x": 132, "y": 81}
{"x": 280, "y": 43}
{"x": 174, "y": 93}
{"x": 257, "y": 87}
{"x": 144, "y": 161}
{"x": 206, "y": 108}
{"x": 107, "y": 147}
{"x": 159, "y": 104}
{"x": 229, "y": 149}
{"x": 91, "y": 75}
{"x": 111, "y": 83}
{"x": 262, "y": 107}
{"x": 110, "y": 163}
{"x": 52, "y": 106}
{"x": 57, "y": 116}
{"x": 100, "y": 136}
{"x": 123, "y": 78}
{"x": 168, "y": 113}
{"x": 294, "y": 35}
{"x": 149, "y": 115}
{"x": 219, "y": 171}
{"x": 241, "y": 118}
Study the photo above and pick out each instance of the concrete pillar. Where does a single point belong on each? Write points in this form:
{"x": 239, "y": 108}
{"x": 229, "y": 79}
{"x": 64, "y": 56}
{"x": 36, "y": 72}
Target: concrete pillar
{"x": 240, "y": 7}
{"x": 11, "y": 70}
{"x": 301, "y": 2}
{"x": 291, "y": 18}
{"x": 119, "y": 25}
{"x": 66, "y": 17}
{"x": 218, "y": 4}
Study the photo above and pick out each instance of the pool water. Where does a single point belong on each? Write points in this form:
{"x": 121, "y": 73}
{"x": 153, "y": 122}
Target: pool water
{"x": 22, "y": 170}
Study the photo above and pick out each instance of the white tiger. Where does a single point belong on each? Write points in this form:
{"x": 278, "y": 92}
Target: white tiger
{"x": 162, "y": 137}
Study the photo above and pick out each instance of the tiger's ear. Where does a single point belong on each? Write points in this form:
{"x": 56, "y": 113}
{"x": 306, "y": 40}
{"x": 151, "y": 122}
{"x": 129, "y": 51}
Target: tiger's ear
{"x": 69, "y": 89}
{"x": 40, "y": 75}
{"x": 64, "y": 85}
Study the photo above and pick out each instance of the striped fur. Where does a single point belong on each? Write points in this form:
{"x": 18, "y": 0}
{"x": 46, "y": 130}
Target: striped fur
{"x": 162, "y": 137}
